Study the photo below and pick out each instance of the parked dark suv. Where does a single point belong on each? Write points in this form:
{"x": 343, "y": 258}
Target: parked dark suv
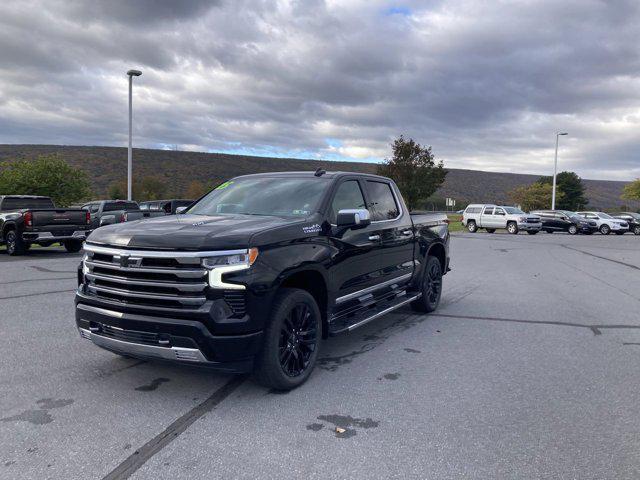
{"x": 632, "y": 218}
{"x": 565, "y": 221}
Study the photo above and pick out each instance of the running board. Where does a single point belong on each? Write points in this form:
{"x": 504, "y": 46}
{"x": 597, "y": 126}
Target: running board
{"x": 378, "y": 314}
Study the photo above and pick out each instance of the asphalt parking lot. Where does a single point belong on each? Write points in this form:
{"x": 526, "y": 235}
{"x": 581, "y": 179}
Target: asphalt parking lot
{"x": 528, "y": 370}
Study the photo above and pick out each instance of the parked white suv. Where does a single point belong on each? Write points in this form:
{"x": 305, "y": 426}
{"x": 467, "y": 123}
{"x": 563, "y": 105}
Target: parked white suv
{"x": 492, "y": 217}
{"x": 606, "y": 223}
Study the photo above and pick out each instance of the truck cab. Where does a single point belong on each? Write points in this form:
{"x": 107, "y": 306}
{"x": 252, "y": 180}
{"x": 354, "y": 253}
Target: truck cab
{"x": 493, "y": 217}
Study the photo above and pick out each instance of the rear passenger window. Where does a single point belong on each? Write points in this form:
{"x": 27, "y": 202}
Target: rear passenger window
{"x": 382, "y": 200}
{"x": 488, "y": 211}
{"x": 348, "y": 196}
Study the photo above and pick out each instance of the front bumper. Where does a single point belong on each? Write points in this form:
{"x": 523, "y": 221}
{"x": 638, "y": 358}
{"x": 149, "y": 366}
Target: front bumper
{"x": 37, "y": 237}
{"x": 529, "y": 226}
{"x": 167, "y": 339}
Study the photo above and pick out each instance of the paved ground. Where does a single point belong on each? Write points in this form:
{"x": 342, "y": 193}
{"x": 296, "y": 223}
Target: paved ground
{"x": 529, "y": 370}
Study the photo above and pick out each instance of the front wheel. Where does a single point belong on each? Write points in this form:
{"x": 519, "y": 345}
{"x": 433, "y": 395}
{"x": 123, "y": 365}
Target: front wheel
{"x": 292, "y": 341}
{"x": 604, "y": 229}
{"x": 573, "y": 230}
{"x": 636, "y": 230}
{"x": 15, "y": 244}
{"x": 72, "y": 246}
{"x": 431, "y": 287}
{"x": 512, "y": 228}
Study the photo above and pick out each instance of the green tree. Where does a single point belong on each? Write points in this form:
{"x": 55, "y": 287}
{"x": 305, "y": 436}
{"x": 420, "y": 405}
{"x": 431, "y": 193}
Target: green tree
{"x": 570, "y": 184}
{"x": 631, "y": 190}
{"x": 535, "y": 196}
{"x": 145, "y": 188}
{"x": 47, "y": 175}
{"x": 118, "y": 190}
{"x": 414, "y": 170}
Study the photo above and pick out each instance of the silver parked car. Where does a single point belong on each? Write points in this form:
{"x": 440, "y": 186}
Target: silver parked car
{"x": 493, "y": 217}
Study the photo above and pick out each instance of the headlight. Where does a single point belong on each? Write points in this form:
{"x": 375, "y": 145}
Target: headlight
{"x": 522, "y": 219}
{"x": 85, "y": 269}
{"x": 222, "y": 264}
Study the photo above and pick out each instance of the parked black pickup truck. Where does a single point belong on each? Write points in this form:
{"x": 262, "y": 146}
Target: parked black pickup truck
{"x": 27, "y": 219}
{"x": 257, "y": 272}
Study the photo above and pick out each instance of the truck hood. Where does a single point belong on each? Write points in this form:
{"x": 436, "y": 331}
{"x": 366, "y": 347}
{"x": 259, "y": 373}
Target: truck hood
{"x": 188, "y": 232}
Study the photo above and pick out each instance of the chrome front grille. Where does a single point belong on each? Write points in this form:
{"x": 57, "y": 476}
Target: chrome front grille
{"x": 161, "y": 279}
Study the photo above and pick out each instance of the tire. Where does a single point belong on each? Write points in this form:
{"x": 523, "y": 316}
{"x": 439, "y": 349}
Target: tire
{"x": 605, "y": 229}
{"x": 636, "y": 230}
{"x": 471, "y": 226}
{"x": 532, "y": 232}
{"x": 15, "y": 244}
{"x": 549, "y": 231}
{"x": 73, "y": 246}
{"x": 512, "y": 228}
{"x": 572, "y": 230}
{"x": 491, "y": 230}
{"x": 620, "y": 233}
{"x": 431, "y": 287}
{"x": 291, "y": 341}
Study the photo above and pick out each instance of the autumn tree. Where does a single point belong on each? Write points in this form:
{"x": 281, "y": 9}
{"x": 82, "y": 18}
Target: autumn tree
{"x": 631, "y": 190}
{"x": 414, "y": 169}
{"x": 195, "y": 190}
{"x": 535, "y": 196}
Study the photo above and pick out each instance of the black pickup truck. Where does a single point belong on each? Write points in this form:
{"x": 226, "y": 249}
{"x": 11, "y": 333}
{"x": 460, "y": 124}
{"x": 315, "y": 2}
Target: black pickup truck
{"x": 29, "y": 219}
{"x": 257, "y": 272}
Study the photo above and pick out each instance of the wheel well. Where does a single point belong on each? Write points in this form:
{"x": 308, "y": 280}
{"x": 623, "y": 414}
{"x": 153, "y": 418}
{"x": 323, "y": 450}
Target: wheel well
{"x": 439, "y": 252}
{"x": 6, "y": 230}
{"x": 313, "y": 282}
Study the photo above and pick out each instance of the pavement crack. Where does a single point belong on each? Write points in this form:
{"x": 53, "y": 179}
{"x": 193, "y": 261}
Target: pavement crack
{"x": 36, "y": 294}
{"x": 138, "y": 458}
{"x": 625, "y": 264}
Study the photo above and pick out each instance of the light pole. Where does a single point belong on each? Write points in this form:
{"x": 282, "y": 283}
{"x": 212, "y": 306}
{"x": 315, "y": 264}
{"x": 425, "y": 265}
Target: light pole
{"x": 131, "y": 74}
{"x": 555, "y": 171}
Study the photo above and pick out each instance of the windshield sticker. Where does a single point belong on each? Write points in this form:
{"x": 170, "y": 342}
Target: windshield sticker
{"x": 311, "y": 228}
{"x": 223, "y": 185}
{"x": 301, "y": 212}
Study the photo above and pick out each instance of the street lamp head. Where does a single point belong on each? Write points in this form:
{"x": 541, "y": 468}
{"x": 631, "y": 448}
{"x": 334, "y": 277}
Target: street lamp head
{"x": 134, "y": 73}
{"x": 563, "y": 133}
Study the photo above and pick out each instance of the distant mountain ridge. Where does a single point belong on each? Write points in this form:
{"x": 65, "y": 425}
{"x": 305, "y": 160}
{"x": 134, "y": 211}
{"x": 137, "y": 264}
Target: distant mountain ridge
{"x": 106, "y": 165}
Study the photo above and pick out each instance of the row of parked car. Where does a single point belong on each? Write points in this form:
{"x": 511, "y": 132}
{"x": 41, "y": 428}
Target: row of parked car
{"x": 26, "y": 220}
{"x": 493, "y": 217}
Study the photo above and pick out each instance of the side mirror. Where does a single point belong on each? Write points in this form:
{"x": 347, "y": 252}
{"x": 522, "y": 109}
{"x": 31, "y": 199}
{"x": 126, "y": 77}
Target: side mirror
{"x": 353, "y": 218}
{"x": 180, "y": 210}
{"x": 107, "y": 220}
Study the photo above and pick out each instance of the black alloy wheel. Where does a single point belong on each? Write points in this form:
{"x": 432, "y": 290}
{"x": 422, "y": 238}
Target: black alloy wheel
{"x": 291, "y": 340}
{"x": 298, "y": 340}
{"x": 15, "y": 245}
{"x": 431, "y": 287}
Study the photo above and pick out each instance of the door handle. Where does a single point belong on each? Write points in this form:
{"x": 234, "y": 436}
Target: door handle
{"x": 406, "y": 233}
{"x": 374, "y": 238}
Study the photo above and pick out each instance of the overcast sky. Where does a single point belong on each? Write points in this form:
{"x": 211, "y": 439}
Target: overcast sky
{"x": 486, "y": 83}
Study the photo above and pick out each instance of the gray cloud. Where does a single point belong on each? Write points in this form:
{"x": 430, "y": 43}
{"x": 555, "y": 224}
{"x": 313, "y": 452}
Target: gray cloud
{"x": 486, "y": 83}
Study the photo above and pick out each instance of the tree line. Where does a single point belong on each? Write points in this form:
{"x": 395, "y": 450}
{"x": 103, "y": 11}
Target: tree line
{"x": 412, "y": 166}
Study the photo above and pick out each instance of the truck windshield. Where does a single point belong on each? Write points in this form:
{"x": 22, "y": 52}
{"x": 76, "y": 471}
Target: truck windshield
{"x": 278, "y": 196}
{"x": 513, "y": 210}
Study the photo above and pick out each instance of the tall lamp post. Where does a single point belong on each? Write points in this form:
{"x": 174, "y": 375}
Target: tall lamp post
{"x": 555, "y": 172}
{"x": 131, "y": 74}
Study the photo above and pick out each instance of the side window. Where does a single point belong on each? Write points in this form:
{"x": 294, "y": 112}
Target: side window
{"x": 348, "y": 196}
{"x": 499, "y": 211}
{"x": 382, "y": 201}
{"x": 488, "y": 211}
{"x": 94, "y": 208}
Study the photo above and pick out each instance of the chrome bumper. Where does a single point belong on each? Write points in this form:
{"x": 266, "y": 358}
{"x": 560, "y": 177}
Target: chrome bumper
{"x": 49, "y": 236}
{"x": 190, "y": 355}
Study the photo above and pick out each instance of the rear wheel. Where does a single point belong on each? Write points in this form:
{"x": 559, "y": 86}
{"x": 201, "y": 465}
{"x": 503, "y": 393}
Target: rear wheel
{"x": 491, "y": 230}
{"x": 573, "y": 230}
{"x": 512, "y": 228}
{"x": 15, "y": 244}
{"x": 604, "y": 229}
{"x": 471, "y": 226}
{"x": 431, "y": 287}
{"x": 73, "y": 246}
{"x": 292, "y": 341}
